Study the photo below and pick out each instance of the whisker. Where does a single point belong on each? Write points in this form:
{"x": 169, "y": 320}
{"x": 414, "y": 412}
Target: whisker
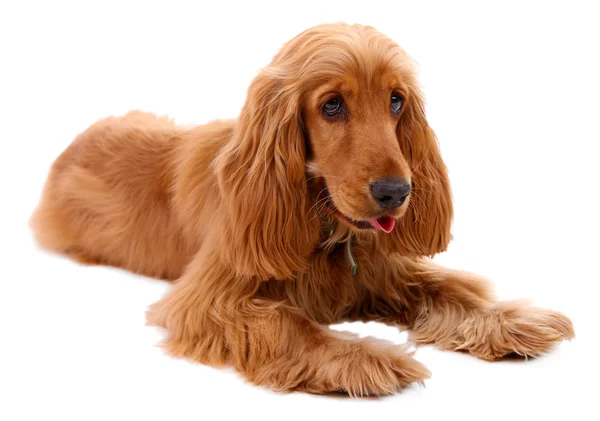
{"x": 422, "y": 160}
{"x": 318, "y": 200}
{"x": 321, "y": 204}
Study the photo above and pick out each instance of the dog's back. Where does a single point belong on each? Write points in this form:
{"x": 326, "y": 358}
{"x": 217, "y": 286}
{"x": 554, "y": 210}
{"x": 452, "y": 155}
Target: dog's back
{"x": 109, "y": 196}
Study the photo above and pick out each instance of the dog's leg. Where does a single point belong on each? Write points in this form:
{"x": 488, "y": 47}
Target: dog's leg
{"x": 215, "y": 318}
{"x": 457, "y": 311}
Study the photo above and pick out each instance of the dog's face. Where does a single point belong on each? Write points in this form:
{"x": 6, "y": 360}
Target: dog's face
{"x": 336, "y": 124}
{"x": 352, "y": 124}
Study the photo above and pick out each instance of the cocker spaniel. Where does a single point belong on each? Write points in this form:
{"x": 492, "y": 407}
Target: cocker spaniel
{"x": 323, "y": 202}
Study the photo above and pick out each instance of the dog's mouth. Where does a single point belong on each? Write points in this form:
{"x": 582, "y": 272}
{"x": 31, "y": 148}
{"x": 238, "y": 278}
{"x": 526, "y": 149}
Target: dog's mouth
{"x": 385, "y": 223}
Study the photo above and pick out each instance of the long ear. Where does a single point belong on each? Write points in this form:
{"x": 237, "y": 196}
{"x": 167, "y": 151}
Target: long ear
{"x": 261, "y": 174}
{"x": 425, "y": 228}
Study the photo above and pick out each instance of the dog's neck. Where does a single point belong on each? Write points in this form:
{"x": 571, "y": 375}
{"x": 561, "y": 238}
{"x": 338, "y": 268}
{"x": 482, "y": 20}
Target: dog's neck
{"x": 334, "y": 235}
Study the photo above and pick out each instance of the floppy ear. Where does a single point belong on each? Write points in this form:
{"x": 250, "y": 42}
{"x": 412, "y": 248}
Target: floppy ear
{"x": 425, "y": 228}
{"x": 261, "y": 175}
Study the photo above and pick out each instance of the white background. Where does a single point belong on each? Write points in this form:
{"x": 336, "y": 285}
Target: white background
{"x": 512, "y": 92}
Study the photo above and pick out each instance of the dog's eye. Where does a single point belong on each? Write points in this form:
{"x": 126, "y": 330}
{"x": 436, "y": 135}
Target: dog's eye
{"x": 396, "y": 103}
{"x": 333, "y": 106}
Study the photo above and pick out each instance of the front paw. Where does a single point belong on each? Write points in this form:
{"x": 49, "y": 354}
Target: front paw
{"x": 371, "y": 368}
{"x": 358, "y": 368}
{"x": 515, "y": 328}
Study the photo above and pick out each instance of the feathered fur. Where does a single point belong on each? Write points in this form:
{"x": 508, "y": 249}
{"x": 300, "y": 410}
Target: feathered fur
{"x": 250, "y": 219}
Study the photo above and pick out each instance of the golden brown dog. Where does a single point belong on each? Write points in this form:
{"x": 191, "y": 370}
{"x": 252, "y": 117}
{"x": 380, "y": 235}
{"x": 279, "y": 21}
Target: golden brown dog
{"x": 322, "y": 202}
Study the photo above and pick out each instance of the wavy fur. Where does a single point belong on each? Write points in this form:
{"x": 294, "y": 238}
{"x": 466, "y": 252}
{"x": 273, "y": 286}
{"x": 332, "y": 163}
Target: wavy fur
{"x": 250, "y": 219}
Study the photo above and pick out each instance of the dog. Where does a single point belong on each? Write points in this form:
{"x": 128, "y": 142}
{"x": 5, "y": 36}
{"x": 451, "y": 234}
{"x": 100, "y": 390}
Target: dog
{"x": 324, "y": 201}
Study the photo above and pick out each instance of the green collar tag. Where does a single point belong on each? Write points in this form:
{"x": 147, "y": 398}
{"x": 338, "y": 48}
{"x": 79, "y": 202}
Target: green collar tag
{"x": 350, "y": 256}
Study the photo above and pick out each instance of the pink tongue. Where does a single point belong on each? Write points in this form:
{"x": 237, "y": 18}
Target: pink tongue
{"x": 385, "y": 223}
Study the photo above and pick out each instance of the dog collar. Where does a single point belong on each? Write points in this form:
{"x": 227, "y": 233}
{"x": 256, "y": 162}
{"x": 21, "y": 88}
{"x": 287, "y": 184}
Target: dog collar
{"x": 350, "y": 256}
{"x": 347, "y": 250}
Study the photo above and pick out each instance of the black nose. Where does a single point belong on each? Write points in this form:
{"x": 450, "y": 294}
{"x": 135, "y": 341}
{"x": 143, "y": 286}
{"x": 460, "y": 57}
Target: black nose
{"x": 390, "y": 192}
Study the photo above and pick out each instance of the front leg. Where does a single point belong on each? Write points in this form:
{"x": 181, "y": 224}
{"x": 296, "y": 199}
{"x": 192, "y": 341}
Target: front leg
{"x": 457, "y": 310}
{"x": 213, "y": 317}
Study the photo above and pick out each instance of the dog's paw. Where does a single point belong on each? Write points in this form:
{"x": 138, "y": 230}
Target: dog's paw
{"x": 514, "y": 328}
{"x": 358, "y": 368}
{"x": 374, "y": 369}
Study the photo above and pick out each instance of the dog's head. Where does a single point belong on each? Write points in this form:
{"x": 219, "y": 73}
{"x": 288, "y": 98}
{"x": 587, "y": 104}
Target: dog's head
{"x": 336, "y": 125}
